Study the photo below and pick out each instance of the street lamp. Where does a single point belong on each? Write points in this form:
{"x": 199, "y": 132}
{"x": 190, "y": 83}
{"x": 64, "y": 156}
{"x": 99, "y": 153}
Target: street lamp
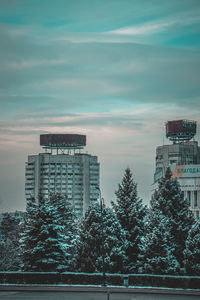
{"x": 102, "y": 236}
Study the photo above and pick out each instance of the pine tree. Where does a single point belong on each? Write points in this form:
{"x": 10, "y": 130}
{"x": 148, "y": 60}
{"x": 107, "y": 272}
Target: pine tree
{"x": 192, "y": 251}
{"x": 51, "y": 251}
{"x": 68, "y": 220}
{"x": 156, "y": 255}
{"x": 91, "y": 244}
{"x": 71, "y": 230}
{"x": 114, "y": 243}
{"x": 8, "y": 226}
{"x": 9, "y": 244}
{"x": 29, "y": 237}
{"x": 170, "y": 202}
{"x": 45, "y": 244}
{"x": 131, "y": 213}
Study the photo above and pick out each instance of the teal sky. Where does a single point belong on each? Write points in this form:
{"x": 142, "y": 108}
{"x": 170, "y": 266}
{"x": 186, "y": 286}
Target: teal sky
{"x": 115, "y": 70}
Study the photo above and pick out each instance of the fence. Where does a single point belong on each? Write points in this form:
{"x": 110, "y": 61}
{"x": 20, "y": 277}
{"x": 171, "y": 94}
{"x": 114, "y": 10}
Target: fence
{"x": 69, "y": 278}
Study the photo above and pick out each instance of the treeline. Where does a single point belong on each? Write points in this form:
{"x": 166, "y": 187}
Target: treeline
{"x": 127, "y": 238}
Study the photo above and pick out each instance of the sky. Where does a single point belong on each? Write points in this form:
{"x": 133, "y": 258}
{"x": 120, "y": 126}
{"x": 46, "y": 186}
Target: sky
{"x": 115, "y": 70}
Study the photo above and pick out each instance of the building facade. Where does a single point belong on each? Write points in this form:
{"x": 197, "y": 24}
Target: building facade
{"x": 183, "y": 157}
{"x": 75, "y": 176}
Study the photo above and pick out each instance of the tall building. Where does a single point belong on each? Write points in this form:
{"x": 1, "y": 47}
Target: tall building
{"x": 183, "y": 157}
{"x": 63, "y": 169}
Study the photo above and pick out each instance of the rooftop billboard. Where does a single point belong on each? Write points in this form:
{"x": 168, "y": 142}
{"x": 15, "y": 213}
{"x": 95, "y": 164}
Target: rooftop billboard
{"x": 62, "y": 140}
{"x": 178, "y": 130}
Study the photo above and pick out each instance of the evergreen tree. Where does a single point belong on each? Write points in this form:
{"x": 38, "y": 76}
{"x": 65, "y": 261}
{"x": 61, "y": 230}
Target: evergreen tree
{"x": 29, "y": 237}
{"x": 7, "y": 256}
{"x": 192, "y": 251}
{"x": 71, "y": 229}
{"x": 8, "y": 226}
{"x": 9, "y": 244}
{"x": 45, "y": 243}
{"x": 114, "y": 243}
{"x": 131, "y": 214}
{"x": 156, "y": 255}
{"x": 67, "y": 218}
{"x": 170, "y": 202}
{"x": 91, "y": 243}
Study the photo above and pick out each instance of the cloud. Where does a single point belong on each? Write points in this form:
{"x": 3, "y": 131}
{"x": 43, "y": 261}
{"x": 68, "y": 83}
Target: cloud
{"x": 94, "y": 75}
{"x": 113, "y": 70}
{"x": 161, "y": 25}
{"x": 118, "y": 139}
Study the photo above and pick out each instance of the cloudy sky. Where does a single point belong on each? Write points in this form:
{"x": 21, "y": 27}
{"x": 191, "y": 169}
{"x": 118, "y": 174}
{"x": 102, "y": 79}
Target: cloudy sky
{"x": 115, "y": 70}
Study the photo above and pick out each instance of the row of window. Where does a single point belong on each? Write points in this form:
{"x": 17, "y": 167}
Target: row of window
{"x": 63, "y": 185}
{"x": 59, "y": 173}
{"x": 70, "y": 196}
{"x": 59, "y": 180}
{"x": 29, "y": 173}
{"x": 29, "y": 184}
{"x": 93, "y": 181}
{"x": 96, "y": 168}
{"x": 59, "y": 165}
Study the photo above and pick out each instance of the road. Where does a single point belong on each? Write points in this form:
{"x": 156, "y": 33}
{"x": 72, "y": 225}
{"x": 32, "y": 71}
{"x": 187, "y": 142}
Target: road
{"x": 22, "y": 295}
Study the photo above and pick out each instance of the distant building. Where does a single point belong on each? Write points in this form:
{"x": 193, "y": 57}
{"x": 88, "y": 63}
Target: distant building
{"x": 72, "y": 174}
{"x": 183, "y": 157}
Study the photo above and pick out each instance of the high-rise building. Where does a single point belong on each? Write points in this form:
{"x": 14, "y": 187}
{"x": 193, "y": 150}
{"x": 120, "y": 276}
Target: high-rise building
{"x": 63, "y": 169}
{"x": 183, "y": 157}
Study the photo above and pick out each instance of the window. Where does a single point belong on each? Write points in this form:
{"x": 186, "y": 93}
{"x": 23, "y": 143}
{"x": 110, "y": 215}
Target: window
{"x": 189, "y": 197}
{"x": 195, "y": 198}
{"x": 172, "y": 161}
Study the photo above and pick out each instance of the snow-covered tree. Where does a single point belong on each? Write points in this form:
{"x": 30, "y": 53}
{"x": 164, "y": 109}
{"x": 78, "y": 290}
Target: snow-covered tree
{"x": 192, "y": 251}
{"x": 45, "y": 242}
{"x": 92, "y": 243}
{"x": 169, "y": 201}
{"x": 8, "y": 226}
{"x": 9, "y": 244}
{"x": 51, "y": 251}
{"x": 29, "y": 237}
{"x": 69, "y": 222}
{"x": 131, "y": 213}
{"x": 156, "y": 252}
{"x": 114, "y": 243}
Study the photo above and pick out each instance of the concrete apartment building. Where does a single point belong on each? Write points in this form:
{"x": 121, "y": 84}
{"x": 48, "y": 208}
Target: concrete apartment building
{"x": 183, "y": 157}
{"x": 72, "y": 174}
